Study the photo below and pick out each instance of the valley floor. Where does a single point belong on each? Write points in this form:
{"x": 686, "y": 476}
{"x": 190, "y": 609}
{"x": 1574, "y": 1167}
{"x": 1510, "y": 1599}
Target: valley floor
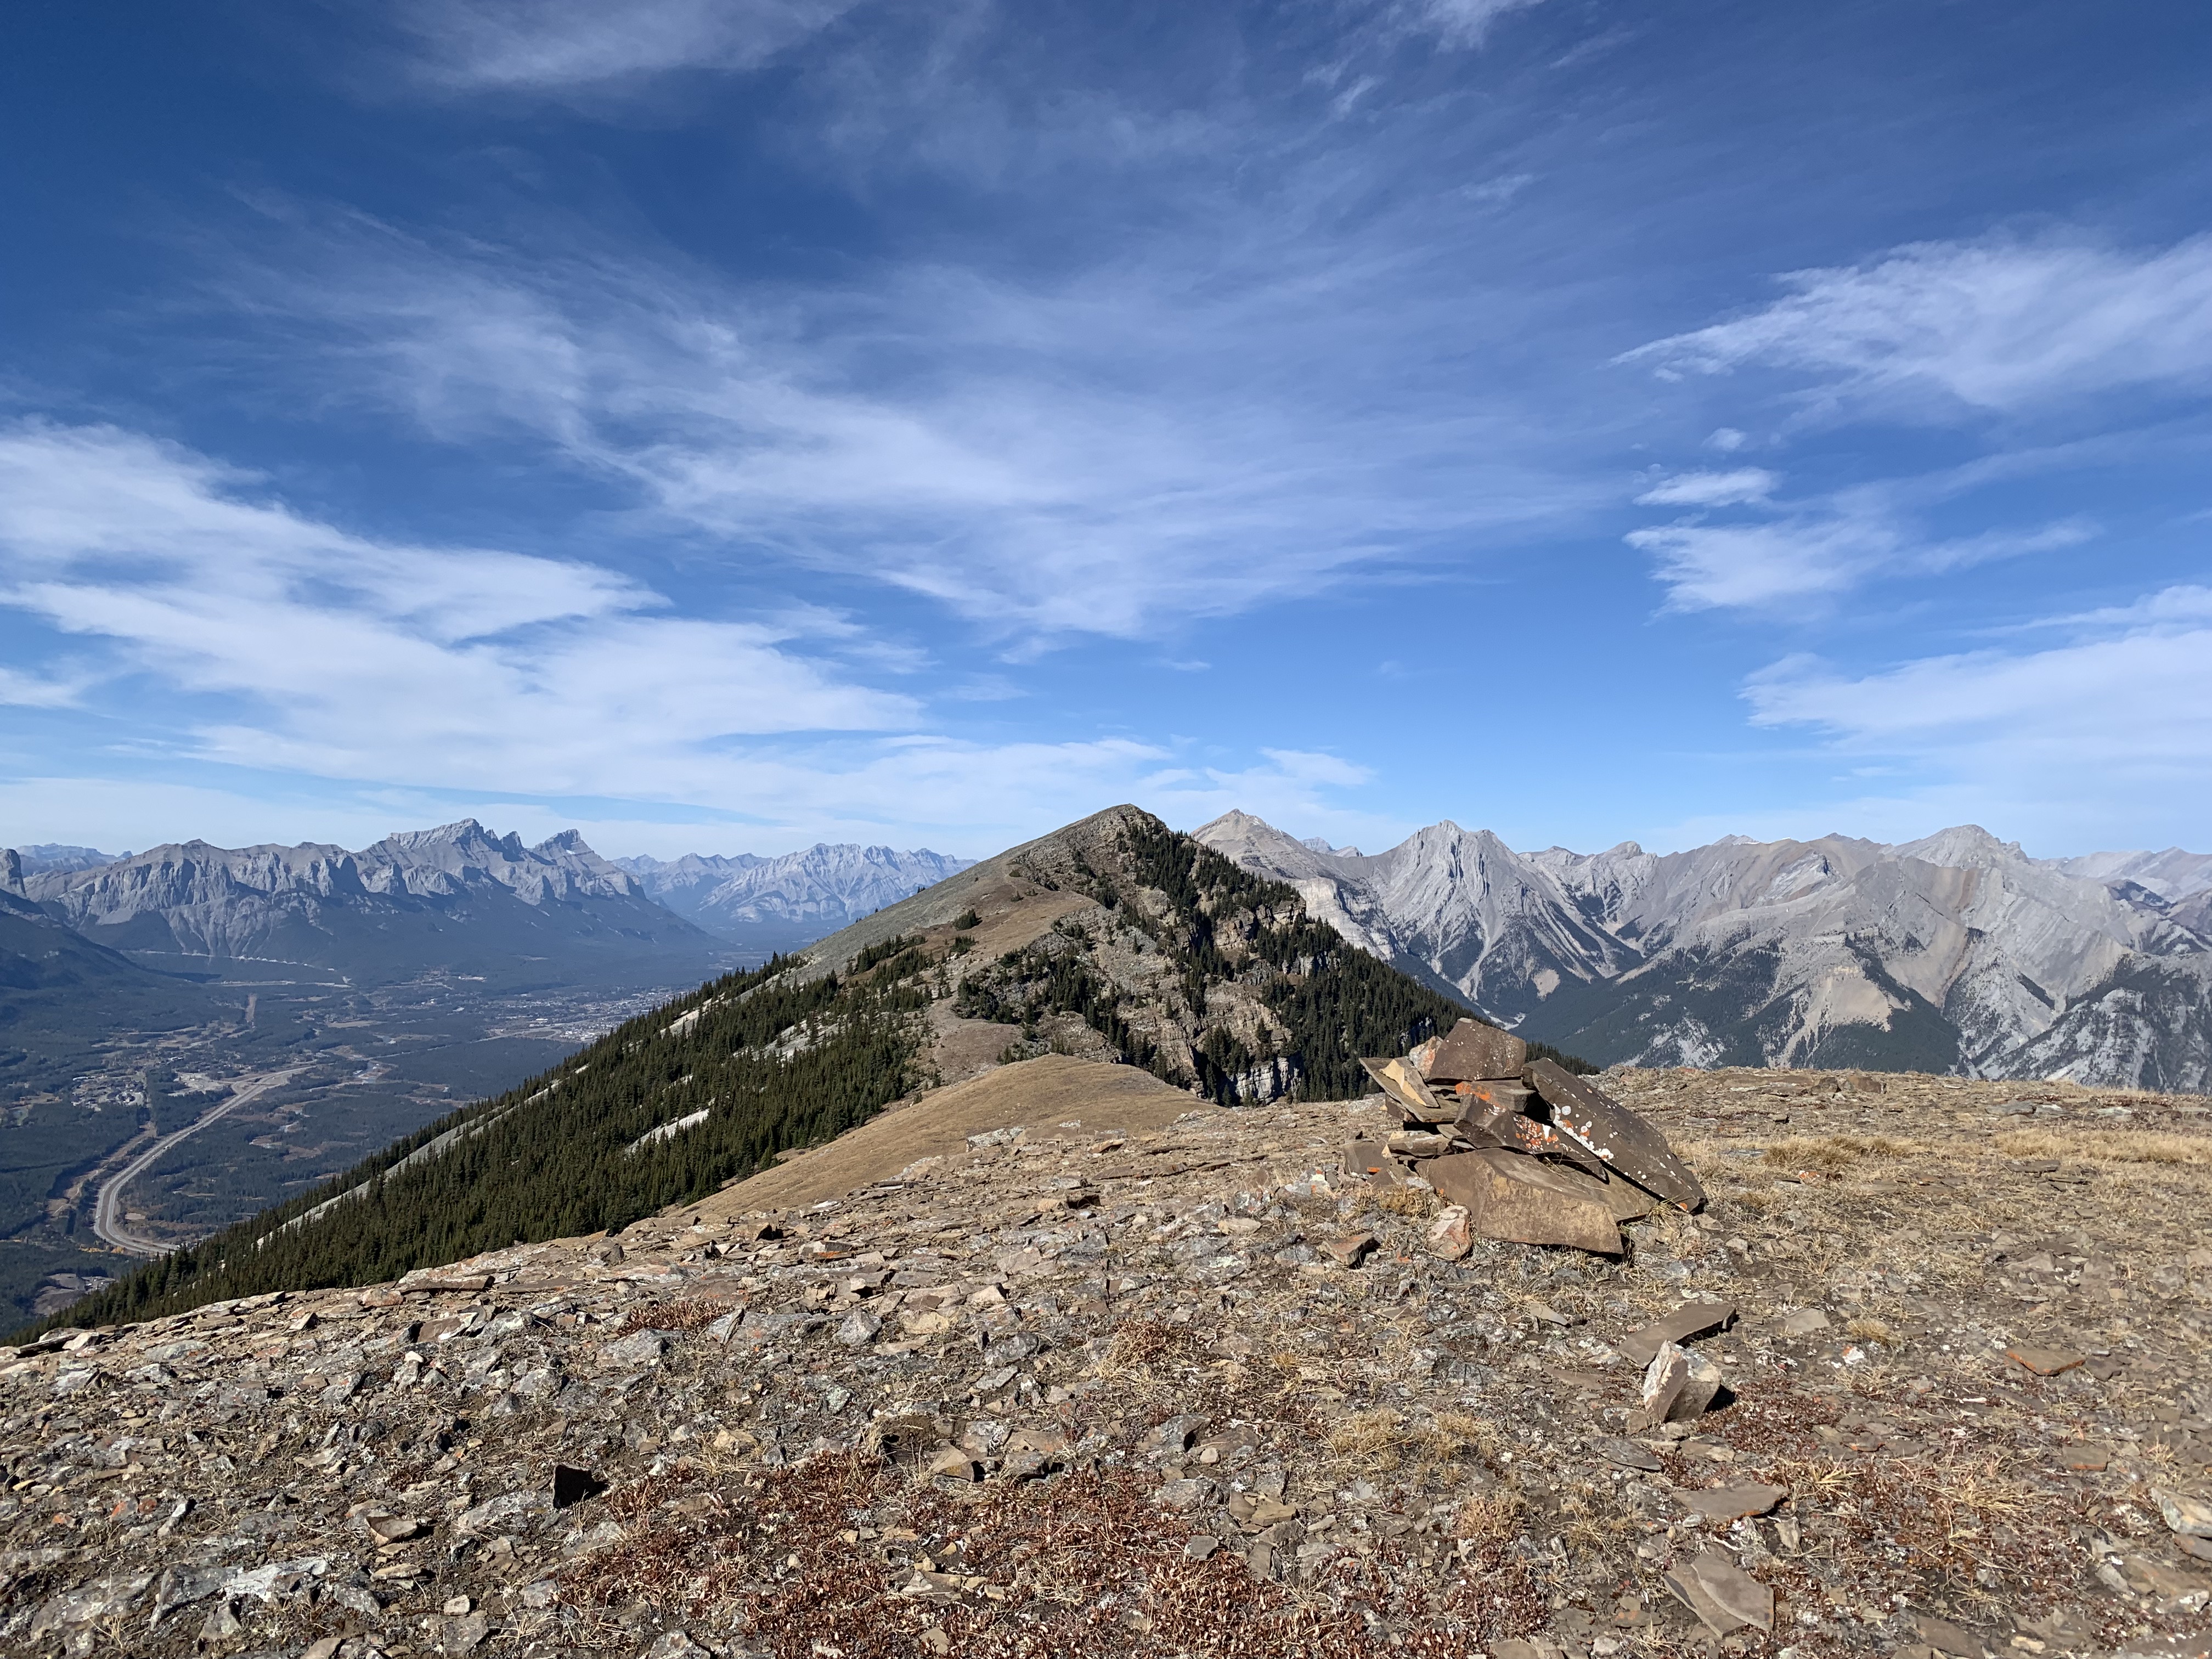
{"x": 1107, "y": 1387}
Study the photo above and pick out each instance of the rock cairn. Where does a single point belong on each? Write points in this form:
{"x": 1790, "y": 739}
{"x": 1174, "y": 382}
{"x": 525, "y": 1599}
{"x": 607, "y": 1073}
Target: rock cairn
{"x": 1522, "y": 1151}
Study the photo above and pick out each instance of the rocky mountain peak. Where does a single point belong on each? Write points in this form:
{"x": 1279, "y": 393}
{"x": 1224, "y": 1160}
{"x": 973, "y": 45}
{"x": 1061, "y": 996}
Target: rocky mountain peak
{"x": 1965, "y": 846}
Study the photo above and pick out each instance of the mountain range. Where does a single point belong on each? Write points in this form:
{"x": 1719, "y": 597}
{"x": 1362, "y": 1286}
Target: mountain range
{"x": 456, "y": 898}
{"x": 1957, "y": 953}
{"x": 784, "y": 903}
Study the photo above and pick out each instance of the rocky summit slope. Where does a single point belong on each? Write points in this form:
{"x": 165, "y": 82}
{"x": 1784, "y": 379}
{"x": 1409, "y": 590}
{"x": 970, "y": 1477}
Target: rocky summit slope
{"x": 1061, "y": 1361}
{"x": 456, "y": 898}
{"x": 1957, "y": 952}
{"x": 787, "y": 903}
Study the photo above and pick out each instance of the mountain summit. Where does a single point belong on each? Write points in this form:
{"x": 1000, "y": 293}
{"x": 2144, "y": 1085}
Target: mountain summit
{"x": 1955, "y": 954}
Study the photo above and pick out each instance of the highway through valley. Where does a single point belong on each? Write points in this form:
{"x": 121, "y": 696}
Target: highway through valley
{"x": 107, "y": 1211}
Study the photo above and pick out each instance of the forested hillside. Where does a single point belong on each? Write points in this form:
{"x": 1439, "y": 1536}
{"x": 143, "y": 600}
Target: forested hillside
{"x": 1158, "y": 950}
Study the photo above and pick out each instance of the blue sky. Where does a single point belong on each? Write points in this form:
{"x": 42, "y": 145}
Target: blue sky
{"x": 726, "y": 425}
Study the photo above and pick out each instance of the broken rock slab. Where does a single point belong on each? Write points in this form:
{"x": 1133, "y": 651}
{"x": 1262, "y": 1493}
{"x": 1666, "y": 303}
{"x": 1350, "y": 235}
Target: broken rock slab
{"x": 1723, "y": 1596}
{"x": 1471, "y": 1050}
{"x": 1372, "y": 1162}
{"x": 2189, "y": 1517}
{"x": 1627, "y": 1454}
{"x": 2044, "y": 1361}
{"x": 1623, "y": 1140}
{"x": 1525, "y": 1200}
{"x": 1683, "y": 1322}
{"x": 1403, "y": 1084}
{"x": 1348, "y": 1252}
{"x": 1449, "y": 1236}
{"x": 1679, "y": 1385}
{"x": 1726, "y": 1504}
{"x": 1945, "y": 1636}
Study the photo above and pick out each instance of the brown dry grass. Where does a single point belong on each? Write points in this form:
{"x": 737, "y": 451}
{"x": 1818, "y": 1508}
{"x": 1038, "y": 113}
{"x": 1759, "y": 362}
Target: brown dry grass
{"x": 1037, "y": 1094}
{"x": 1492, "y": 1516}
{"x": 1833, "y": 1154}
{"x": 2109, "y": 1147}
{"x": 1410, "y": 1201}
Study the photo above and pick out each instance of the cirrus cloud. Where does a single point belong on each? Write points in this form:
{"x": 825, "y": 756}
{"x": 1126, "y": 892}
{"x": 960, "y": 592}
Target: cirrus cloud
{"x": 1936, "y": 331}
{"x": 2124, "y": 704}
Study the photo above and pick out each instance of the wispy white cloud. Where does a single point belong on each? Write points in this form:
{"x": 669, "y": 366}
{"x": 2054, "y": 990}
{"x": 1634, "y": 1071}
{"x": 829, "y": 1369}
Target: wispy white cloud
{"x": 2124, "y": 704}
{"x": 1098, "y": 455}
{"x": 561, "y": 45}
{"x": 1749, "y": 484}
{"x": 1936, "y": 331}
{"x": 280, "y": 646}
{"x": 345, "y": 656}
{"x": 1462, "y": 23}
{"x": 1811, "y": 553}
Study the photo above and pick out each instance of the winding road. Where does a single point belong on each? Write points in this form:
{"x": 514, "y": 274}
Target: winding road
{"x": 107, "y": 1210}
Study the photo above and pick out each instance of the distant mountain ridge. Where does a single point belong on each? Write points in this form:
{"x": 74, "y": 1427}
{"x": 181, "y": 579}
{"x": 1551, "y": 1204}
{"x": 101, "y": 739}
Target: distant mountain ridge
{"x": 1953, "y": 953}
{"x": 785, "y": 903}
{"x": 40, "y": 857}
{"x": 456, "y": 897}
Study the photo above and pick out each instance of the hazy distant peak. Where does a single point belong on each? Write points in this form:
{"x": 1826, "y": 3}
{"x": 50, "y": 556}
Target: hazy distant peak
{"x": 1965, "y": 846}
{"x": 39, "y": 858}
{"x": 792, "y": 898}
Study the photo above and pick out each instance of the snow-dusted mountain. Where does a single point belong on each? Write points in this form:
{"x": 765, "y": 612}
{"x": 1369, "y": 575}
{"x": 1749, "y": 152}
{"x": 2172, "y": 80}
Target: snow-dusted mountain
{"x": 1957, "y": 952}
{"x": 456, "y": 898}
{"x": 784, "y": 903}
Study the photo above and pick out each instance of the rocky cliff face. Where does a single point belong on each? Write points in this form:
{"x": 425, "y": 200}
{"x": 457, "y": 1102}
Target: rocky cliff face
{"x": 1953, "y": 953}
{"x": 781, "y": 903}
{"x": 456, "y": 896}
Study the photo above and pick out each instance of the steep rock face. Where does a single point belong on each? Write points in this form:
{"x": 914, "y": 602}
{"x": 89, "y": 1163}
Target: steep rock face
{"x": 1489, "y": 922}
{"x": 2148, "y": 1025}
{"x": 456, "y": 896}
{"x": 780, "y": 903}
{"x": 1955, "y": 952}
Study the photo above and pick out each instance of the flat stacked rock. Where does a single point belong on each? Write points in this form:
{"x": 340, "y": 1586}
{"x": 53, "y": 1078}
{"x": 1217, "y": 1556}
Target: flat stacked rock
{"x": 1532, "y": 1153}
